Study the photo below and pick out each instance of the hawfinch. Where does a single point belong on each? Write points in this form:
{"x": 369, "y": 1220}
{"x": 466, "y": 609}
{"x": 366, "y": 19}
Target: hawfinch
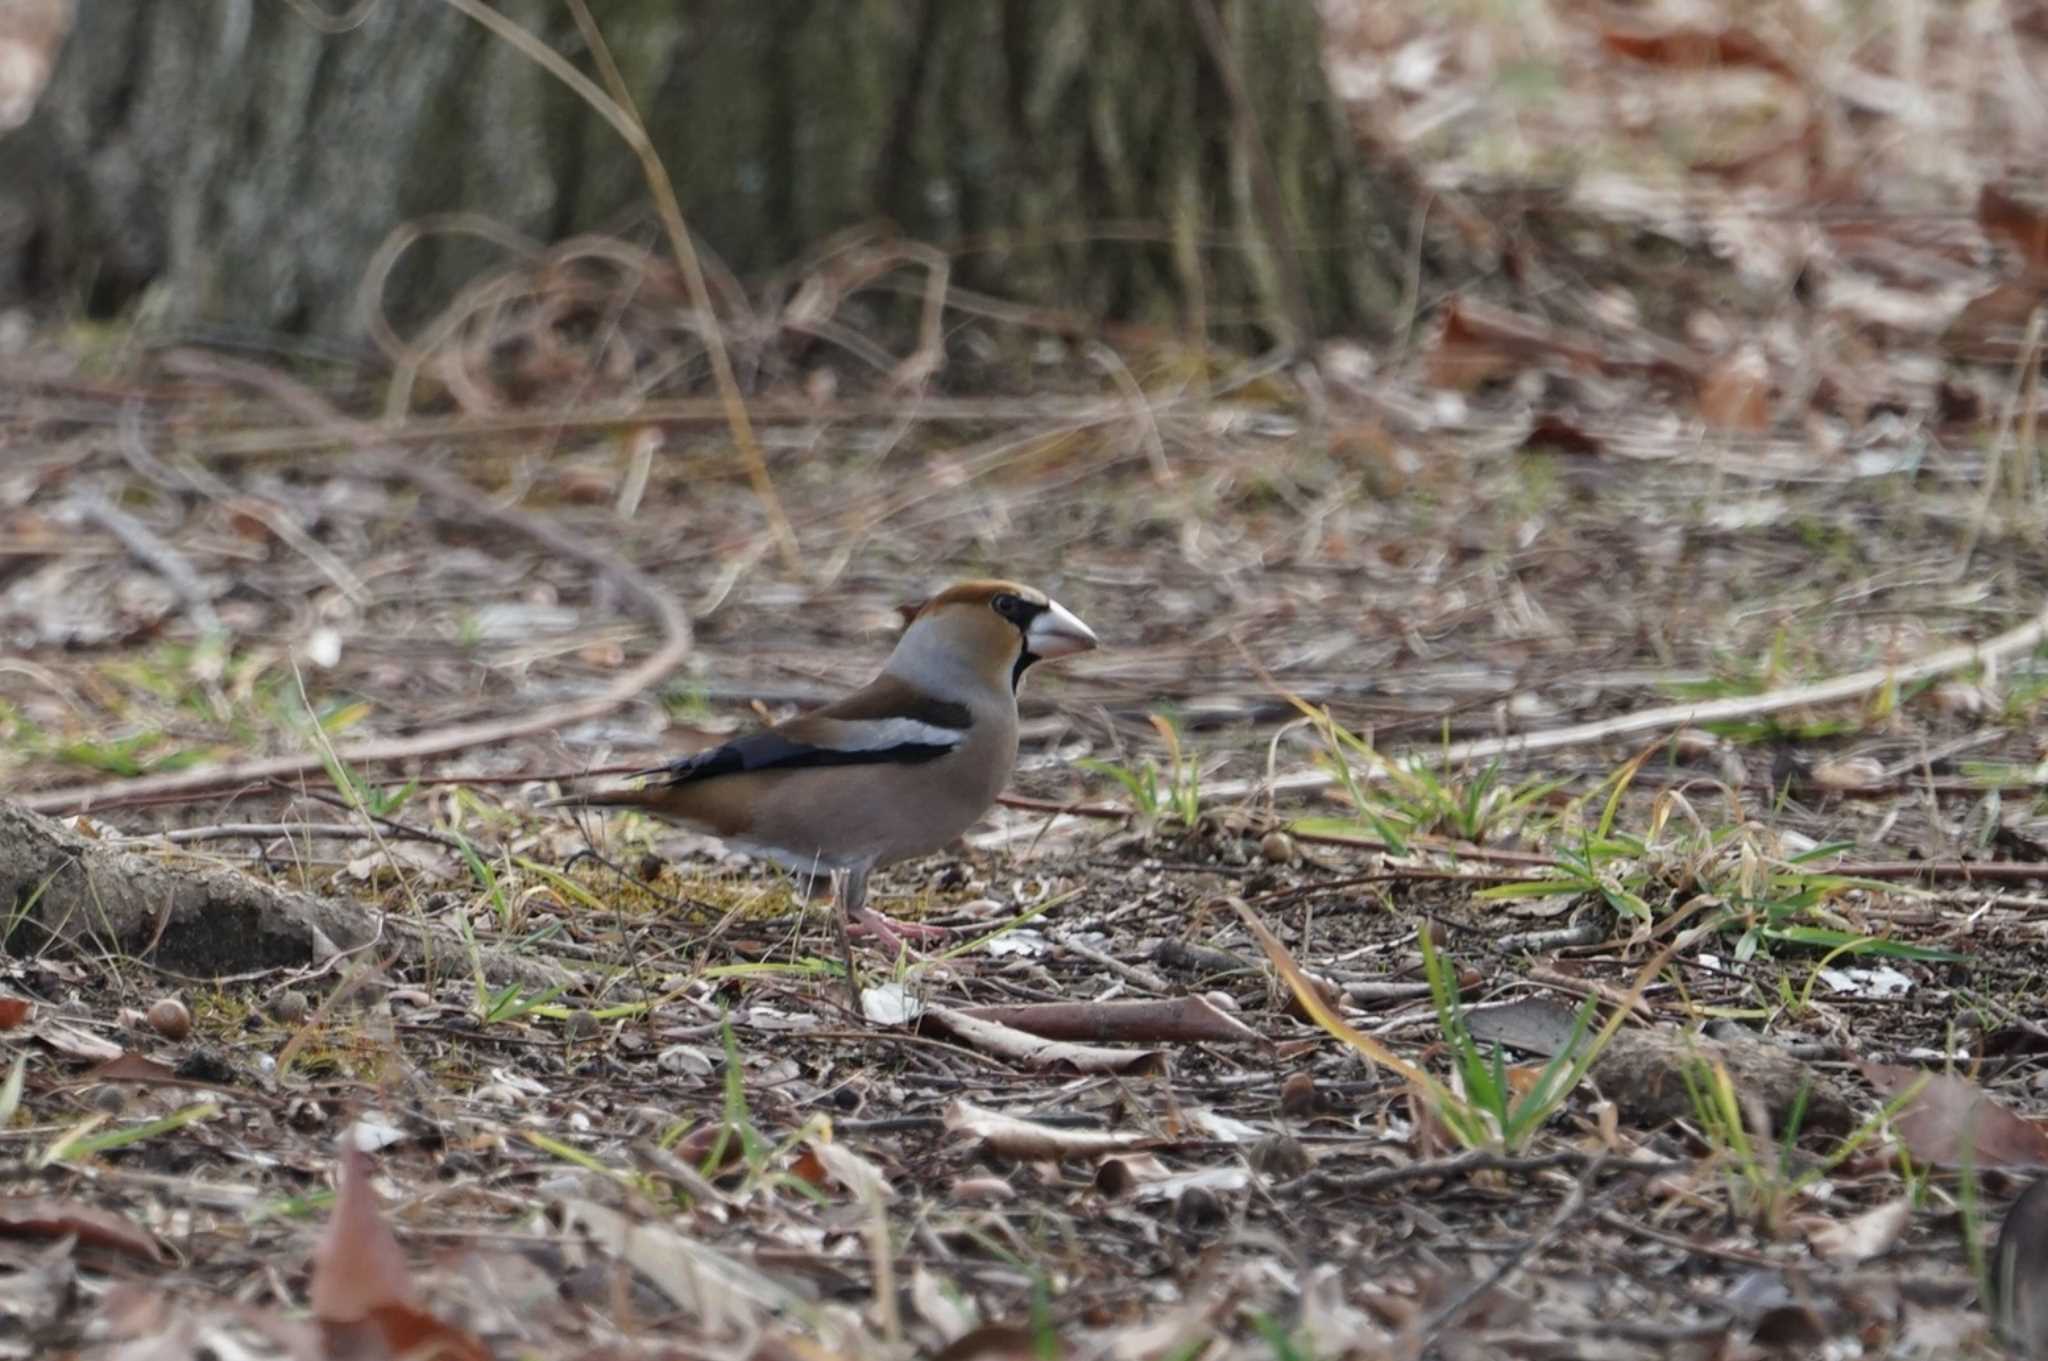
{"x": 897, "y": 769}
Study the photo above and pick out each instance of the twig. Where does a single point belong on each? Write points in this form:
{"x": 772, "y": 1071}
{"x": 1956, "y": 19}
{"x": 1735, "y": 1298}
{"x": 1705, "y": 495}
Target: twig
{"x": 235, "y": 831}
{"x": 1130, "y": 973}
{"x": 1671, "y": 716}
{"x": 404, "y": 831}
{"x": 1326, "y": 1185}
{"x": 266, "y": 442}
{"x": 1106, "y": 359}
{"x": 150, "y": 549}
{"x": 189, "y": 475}
{"x": 1995, "y": 871}
{"x": 1566, "y": 1213}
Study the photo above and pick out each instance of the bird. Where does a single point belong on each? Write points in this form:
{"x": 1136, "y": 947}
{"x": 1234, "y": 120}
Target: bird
{"x": 893, "y": 771}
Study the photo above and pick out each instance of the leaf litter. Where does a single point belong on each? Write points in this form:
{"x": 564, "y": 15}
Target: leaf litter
{"x": 1774, "y": 447}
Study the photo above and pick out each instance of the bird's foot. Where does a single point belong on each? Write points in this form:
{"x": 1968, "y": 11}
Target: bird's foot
{"x": 889, "y": 933}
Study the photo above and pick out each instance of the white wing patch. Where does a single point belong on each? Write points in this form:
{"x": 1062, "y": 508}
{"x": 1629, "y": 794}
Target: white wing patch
{"x": 879, "y": 734}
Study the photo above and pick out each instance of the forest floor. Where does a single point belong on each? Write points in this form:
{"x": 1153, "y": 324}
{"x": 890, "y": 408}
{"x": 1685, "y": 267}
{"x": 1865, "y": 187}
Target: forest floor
{"x": 1653, "y": 652}
{"x": 690, "y": 1143}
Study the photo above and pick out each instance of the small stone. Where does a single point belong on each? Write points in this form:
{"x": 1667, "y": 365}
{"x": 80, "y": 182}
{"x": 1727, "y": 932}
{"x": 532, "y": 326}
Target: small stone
{"x": 291, "y": 1007}
{"x": 169, "y": 1018}
{"x": 1277, "y": 847}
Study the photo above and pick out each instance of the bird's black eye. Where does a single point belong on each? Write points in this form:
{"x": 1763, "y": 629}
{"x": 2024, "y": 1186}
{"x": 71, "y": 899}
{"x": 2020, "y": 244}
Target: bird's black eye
{"x": 1012, "y": 608}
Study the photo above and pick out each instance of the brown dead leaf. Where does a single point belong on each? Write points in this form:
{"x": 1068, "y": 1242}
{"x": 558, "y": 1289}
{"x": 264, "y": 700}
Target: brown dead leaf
{"x": 130, "y": 1066}
{"x": 400, "y": 1332}
{"x": 56, "y": 1217}
{"x": 14, "y": 1011}
{"x": 358, "y": 1266}
{"x": 1699, "y": 49}
{"x": 2021, "y": 225}
{"x": 1553, "y": 433}
{"x": 1474, "y": 344}
{"x": 1991, "y": 325}
{"x": 362, "y": 1290}
{"x": 992, "y": 1342}
{"x": 1951, "y": 1122}
{"x": 808, "y": 1168}
{"x": 709, "y": 1140}
{"x": 1429, "y": 1137}
{"x": 1735, "y": 393}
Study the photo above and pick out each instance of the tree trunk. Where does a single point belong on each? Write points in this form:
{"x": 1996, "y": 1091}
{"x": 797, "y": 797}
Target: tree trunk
{"x": 1176, "y": 162}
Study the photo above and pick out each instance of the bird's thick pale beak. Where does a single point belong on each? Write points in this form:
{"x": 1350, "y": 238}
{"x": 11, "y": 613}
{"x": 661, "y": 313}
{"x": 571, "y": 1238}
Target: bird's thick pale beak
{"x": 1057, "y": 633}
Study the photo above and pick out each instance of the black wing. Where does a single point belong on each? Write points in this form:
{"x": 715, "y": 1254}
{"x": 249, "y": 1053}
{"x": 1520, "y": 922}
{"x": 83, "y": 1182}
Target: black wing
{"x": 776, "y": 750}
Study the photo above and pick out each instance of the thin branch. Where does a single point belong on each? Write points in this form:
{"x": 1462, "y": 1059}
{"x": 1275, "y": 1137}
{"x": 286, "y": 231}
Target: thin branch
{"x": 149, "y": 548}
{"x": 1670, "y": 717}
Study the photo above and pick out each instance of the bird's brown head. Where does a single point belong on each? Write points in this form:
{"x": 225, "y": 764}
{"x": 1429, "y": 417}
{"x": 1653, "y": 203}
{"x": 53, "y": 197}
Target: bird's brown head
{"x": 990, "y": 629}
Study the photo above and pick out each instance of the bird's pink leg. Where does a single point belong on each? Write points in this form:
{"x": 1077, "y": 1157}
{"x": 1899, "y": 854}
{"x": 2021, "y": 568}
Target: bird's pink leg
{"x": 850, "y": 892}
{"x": 889, "y": 931}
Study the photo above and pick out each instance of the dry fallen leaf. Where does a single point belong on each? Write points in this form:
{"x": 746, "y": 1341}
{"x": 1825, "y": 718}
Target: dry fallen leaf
{"x": 1699, "y": 49}
{"x": 362, "y": 1289}
{"x": 1864, "y": 1236}
{"x": 1735, "y": 393}
{"x": 1848, "y": 773}
{"x": 57, "y": 1217}
{"x": 1474, "y": 344}
{"x": 2021, "y": 225}
{"x": 358, "y": 1265}
{"x": 1950, "y": 1122}
{"x": 1553, "y": 433}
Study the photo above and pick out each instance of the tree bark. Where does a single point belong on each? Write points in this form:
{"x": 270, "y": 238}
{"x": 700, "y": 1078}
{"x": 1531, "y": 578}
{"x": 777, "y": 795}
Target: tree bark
{"x": 1151, "y": 160}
